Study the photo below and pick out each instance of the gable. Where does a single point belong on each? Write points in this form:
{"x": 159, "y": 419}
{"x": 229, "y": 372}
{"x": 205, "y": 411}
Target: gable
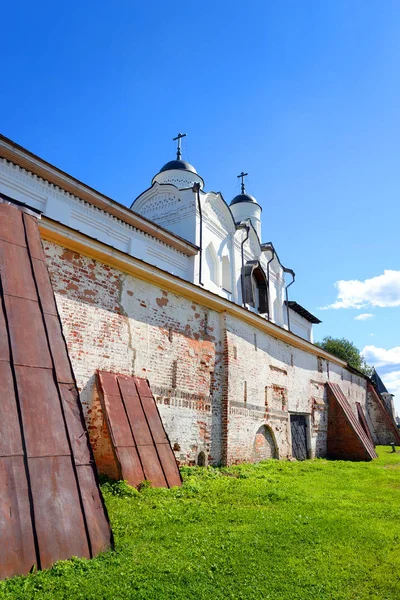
{"x": 169, "y": 207}
{"x": 217, "y": 213}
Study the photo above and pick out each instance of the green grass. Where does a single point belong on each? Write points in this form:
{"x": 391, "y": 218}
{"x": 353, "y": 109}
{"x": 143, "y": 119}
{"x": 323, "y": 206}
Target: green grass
{"x": 280, "y": 530}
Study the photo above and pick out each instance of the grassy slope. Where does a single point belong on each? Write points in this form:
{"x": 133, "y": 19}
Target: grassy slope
{"x": 276, "y": 530}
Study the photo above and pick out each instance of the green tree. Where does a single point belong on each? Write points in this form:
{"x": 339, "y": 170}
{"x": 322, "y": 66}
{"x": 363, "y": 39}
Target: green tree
{"x": 347, "y": 351}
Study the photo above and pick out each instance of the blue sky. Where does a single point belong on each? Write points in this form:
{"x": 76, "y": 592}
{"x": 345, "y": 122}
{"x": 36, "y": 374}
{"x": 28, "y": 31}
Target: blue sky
{"x": 302, "y": 94}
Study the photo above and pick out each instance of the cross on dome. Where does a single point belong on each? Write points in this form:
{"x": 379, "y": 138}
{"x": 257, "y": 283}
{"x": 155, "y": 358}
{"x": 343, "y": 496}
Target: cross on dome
{"x": 178, "y": 172}
{"x": 178, "y": 150}
{"x": 242, "y": 175}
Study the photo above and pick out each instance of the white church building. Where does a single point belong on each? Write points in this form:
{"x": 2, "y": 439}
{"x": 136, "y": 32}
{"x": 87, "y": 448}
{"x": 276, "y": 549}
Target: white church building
{"x": 232, "y": 261}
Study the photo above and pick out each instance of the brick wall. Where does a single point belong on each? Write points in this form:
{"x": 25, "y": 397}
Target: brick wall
{"x": 268, "y": 380}
{"x": 384, "y": 430}
{"x": 113, "y": 322}
{"x": 343, "y": 442}
{"x": 216, "y": 380}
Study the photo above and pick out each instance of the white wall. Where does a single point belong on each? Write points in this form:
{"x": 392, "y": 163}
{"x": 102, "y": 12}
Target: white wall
{"x": 243, "y": 211}
{"x": 299, "y": 325}
{"x": 69, "y": 210}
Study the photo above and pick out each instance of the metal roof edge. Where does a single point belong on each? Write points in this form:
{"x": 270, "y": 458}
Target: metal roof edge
{"x": 303, "y": 312}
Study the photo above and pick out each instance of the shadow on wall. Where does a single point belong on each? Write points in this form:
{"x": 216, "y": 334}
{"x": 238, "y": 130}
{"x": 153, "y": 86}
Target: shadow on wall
{"x": 98, "y": 431}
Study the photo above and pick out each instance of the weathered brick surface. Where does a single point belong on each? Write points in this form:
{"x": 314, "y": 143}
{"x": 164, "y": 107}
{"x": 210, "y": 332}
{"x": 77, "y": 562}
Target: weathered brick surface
{"x": 100, "y": 440}
{"x": 384, "y": 429}
{"x": 264, "y": 444}
{"x": 115, "y": 323}
{"x": 216, "y": 379}
{"x": 279, "y": 380}
{"x": 342, "y": 442}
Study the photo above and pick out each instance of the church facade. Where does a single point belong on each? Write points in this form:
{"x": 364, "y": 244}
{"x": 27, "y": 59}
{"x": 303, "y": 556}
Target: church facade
{"x": 181, "y": 290}
{"x": 232, "y": 261}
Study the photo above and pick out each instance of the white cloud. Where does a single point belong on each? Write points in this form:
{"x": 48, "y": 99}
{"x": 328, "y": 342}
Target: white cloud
{"x": 379, "y": 357}
{"x": 382, "y": 291}
{"x": 372, "y": 334}
{"x": 392, "y": 383}
{"x": 364, "y": 316}
{"x": 388, "y": 366}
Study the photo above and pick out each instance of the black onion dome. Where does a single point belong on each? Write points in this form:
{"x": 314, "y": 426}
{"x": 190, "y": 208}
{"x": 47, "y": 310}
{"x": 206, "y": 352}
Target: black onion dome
{"x": 243, "y": 198}
{"x": 180, "y": 165}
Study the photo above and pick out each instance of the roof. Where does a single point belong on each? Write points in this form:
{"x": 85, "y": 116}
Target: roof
{"x": 300, "y": 310}
{"x": 379, "y": 383}
{"x": 141, "y": 448}
{"x": 36, "y": 380}
{"x": 180, "y": 165}
{"x": 243, "y": 198}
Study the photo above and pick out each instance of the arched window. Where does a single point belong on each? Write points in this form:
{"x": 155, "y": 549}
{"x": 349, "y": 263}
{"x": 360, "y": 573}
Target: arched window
{"x": 212, "y": 264}
{"x": 255, "y": 286}
{"x": 226, "y": 274}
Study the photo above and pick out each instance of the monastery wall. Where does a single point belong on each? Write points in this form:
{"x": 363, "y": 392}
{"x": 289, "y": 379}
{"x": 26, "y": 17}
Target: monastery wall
{"x": 268, "y": 380}
{"x": 116, "y": 323}
{"x": 217, "y": 381}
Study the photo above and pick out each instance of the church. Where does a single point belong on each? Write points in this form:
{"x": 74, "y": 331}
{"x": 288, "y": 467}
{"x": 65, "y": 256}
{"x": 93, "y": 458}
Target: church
{"x": 232, "y": 260}
{"x": 180, "y": 289}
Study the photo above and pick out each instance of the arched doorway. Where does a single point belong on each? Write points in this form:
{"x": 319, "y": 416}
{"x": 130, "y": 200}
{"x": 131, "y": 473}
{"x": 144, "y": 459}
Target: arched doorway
{"x": 202, "y": 459}
{"x": 264, "y": 444}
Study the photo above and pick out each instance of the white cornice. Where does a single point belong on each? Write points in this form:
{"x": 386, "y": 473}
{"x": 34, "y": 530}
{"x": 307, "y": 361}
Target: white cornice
{"x": 56, "y": 203}
{"x": 43, "y": 173}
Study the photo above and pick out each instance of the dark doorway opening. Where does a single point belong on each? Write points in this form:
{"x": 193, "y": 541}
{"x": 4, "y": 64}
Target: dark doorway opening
{"x": 201, "y": 460}
{"x": 298, "y": 426}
